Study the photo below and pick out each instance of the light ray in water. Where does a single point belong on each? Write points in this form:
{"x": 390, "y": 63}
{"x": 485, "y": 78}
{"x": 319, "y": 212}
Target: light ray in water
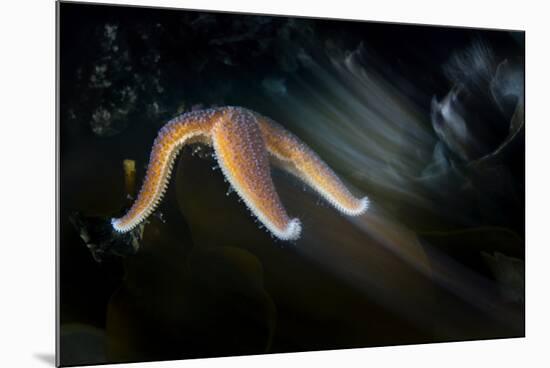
{"x": 378, "y": 138}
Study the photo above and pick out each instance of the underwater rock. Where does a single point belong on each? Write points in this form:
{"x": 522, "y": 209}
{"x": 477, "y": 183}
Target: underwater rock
{"x": 111, "y": 117}
{"x": 177, "y": 300}
{"x": 459, "y": 258}
{"x": 94, "y": 225}
{"x": 82, "y": 344}
{"x": 509, "y": 273}
{"x": 227, "y": 290}
{"x": 481, "y": 239}
{"x": 480, "y": 249}
{"x": 212, "y": 304}
{"x": 102, "y": 241}
{"x": 132, "y": 72}
{"x": 117, "y": 78}
{"x": 108, "y": 82}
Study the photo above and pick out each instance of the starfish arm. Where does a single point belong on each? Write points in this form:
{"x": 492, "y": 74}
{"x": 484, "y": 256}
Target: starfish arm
{"x": 297, "y": 158}
{"x": 242, "y": 156}
{"x": 187, "y": 128}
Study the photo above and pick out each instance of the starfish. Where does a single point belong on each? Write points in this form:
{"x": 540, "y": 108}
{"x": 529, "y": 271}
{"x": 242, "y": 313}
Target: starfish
{"x": 244, "y": 142}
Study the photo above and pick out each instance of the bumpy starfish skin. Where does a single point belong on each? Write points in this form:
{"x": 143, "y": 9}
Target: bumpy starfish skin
{"x": 301, "y": 161}
{"x": 243, "y": 142}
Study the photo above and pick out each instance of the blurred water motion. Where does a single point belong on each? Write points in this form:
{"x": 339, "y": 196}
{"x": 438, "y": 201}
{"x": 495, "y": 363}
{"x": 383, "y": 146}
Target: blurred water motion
{"x": 384, "y": 142}
{"x": 379, "y": 139}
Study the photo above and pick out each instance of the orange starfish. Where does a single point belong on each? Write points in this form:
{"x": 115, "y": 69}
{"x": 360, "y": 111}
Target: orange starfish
{"x": 243, "y": 142}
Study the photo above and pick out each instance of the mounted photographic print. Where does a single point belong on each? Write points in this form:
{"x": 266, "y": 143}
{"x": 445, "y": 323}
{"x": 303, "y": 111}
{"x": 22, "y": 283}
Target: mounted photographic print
{"x": 235, "y": 184}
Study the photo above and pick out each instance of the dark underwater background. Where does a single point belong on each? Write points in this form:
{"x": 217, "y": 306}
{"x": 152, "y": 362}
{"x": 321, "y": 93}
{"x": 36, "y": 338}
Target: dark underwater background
{"x": 438, "y": 257}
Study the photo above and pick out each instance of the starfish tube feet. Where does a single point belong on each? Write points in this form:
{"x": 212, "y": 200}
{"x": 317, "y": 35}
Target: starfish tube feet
{"x": 170, "y": 139}
{"x": 242, "y": 156}
{"x": 244, "y": 142}
{"x": 294, "y": 156}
